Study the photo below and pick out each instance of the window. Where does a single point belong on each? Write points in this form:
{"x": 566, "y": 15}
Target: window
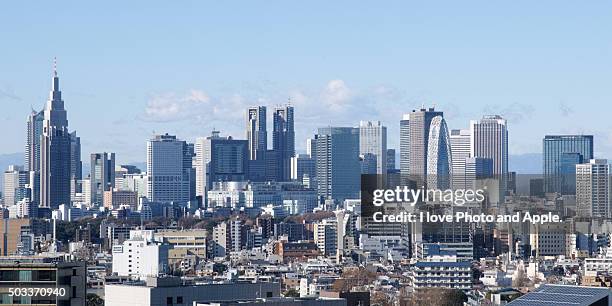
{"x": 269, "y": 294}
{"x": 169, "y": 300}
{"x": 179, "y": 300}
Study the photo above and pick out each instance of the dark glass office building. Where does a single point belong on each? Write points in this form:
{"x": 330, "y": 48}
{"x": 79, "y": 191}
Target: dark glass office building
{"x": 561, "y": 154}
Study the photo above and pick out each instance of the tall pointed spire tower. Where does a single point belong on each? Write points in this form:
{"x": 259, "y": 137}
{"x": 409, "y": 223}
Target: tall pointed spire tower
{"x": 55, "y": 159}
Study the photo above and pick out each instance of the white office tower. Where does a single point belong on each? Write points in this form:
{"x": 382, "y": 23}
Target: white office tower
{"x": 460, "y": 151}
{"x": 15, "y": 181}
{"x": 170, "y": 175}
{"x": 405, "y": 144}
{"x": 373, "y": 141}
{"x": 489, "y": 139}
{"x": 139, "y": 257}
{"x": 593, "y": 189}
{"x": 438, "y": 155}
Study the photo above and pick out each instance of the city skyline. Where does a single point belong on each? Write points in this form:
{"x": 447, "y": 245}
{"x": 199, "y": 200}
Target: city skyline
{"x": 172, "y": 88}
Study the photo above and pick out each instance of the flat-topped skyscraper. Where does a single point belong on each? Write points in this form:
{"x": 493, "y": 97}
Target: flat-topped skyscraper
{"x": 489, "y": 139}
{"x": 419, "y": 125}
{"x": 561, "y": 155}
{"x": 373, "y": 140}
{"x": 171, "y": 177}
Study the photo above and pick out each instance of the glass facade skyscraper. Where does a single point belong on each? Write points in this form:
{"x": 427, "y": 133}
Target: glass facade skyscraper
{"x": 55, "y": 149}
{"x": 561, "y": 154}
{"x": 337, "y": 162}
{"x": 283, "y": 141}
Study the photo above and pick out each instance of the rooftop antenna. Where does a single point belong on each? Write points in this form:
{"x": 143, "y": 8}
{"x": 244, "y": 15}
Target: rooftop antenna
{"x": 55, "y": 66}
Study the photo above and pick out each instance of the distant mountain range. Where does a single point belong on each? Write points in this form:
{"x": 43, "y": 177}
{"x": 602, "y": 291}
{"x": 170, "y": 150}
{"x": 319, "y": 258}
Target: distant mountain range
{"x": 529, "y": 163}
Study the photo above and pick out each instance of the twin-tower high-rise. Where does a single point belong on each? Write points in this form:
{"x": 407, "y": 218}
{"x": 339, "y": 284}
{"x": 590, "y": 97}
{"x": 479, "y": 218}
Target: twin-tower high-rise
{"x": 272, "y": 164}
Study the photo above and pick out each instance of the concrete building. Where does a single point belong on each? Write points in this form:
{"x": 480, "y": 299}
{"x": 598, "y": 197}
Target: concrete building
{"x": 260, "y": 194}
{"x": 68, "y": 277}
{"x": 281, "y": 301}
{"x": 593, "y": 189}
{"x": 170, "y": 291}
{"x": 326, "y": 236}
{"x": 116, "y": 198}
{"x": 140, "y": 257}
{"x": 550, "y": 239}
{"x": 14, "y": 231}
{"x": 15, "y": 185}
{"x": 185, "y": 244}
{"x": 441, "y": 269}
{"x": 137, "y": 182}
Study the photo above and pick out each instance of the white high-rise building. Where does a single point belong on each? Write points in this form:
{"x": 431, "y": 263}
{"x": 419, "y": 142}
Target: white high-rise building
{"x": 489, "y": 139}
{"x": 140, "y": 257}
{"x": 405, "y": 145}
{"x": 373, "y": 140}
{"x": 15, "y": 181}
{"x": 170, "y": 176}
{"x": 593, "y": 189}
{"x": 460, "y": 151}
{"x": 227, "y": 237}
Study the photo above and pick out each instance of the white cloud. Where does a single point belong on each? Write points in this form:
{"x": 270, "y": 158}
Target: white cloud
{"x": 170, "y": 107}
{"x": 336, "y": 95}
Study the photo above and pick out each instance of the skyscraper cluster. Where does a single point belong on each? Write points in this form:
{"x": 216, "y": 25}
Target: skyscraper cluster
{"x": 435, "y": 157}
{"x": 178, "y": 171}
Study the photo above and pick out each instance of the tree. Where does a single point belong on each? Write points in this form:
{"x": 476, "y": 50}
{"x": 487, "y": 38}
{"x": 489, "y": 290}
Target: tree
{"x": 93, "y": 299}
{"x": 292, "y": 293}
{"x": 352, "y": 278}
{"x": 438, "y": 297}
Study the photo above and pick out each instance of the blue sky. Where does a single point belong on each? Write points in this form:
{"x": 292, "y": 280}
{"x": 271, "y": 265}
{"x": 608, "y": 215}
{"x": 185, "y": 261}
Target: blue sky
{"x": 132, "y": 68}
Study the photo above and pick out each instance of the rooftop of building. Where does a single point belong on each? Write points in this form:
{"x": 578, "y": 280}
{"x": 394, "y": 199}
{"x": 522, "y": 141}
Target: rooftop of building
{"x": 564, "y": 295}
